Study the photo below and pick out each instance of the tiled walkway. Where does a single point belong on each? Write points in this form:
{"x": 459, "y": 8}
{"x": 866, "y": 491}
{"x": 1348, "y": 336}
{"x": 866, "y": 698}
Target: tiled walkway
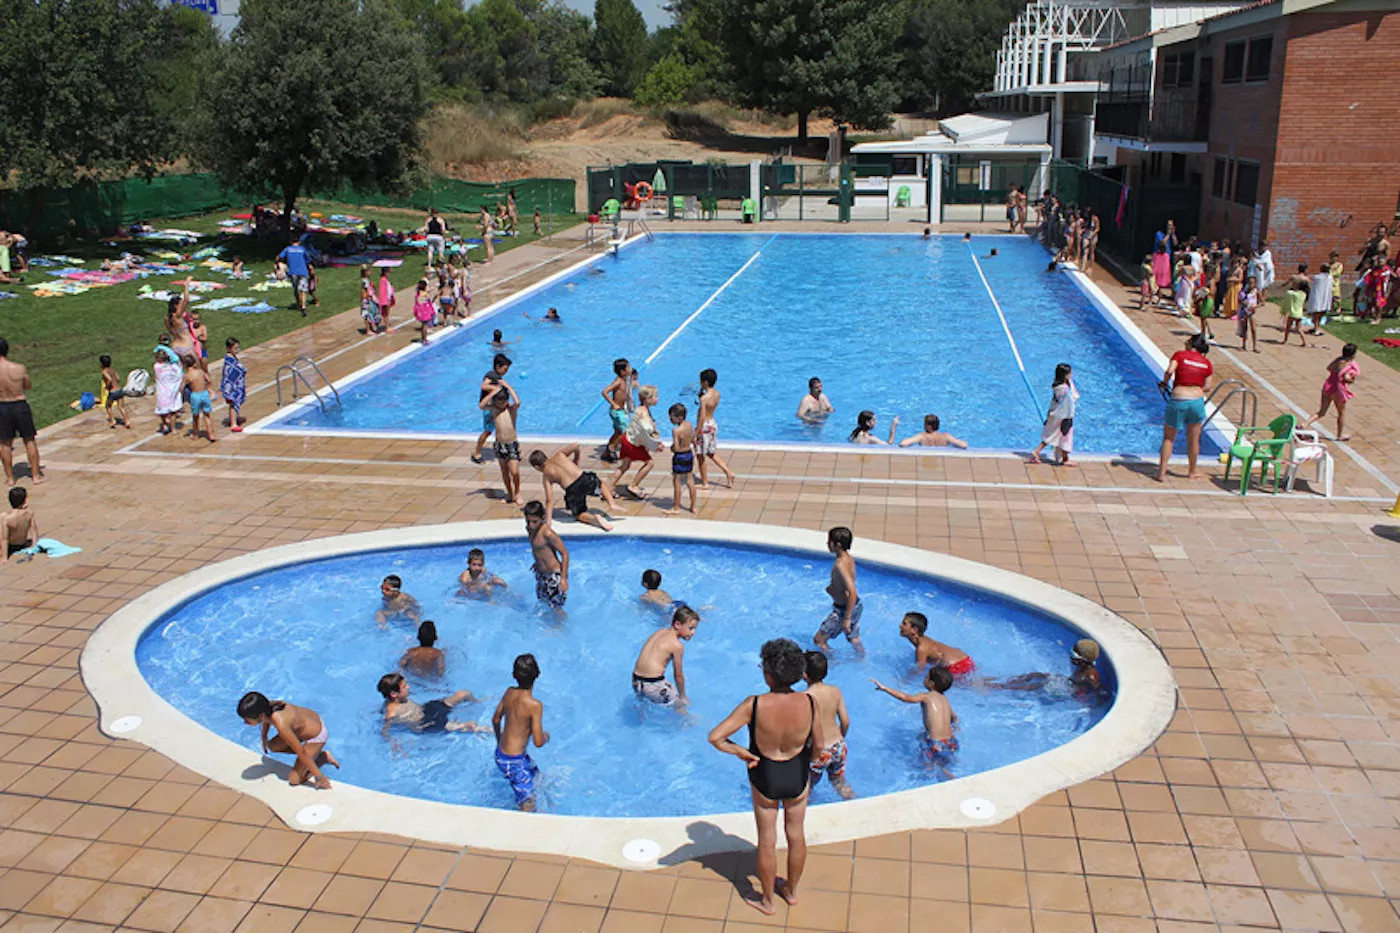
{"x": 1273, "y": 800}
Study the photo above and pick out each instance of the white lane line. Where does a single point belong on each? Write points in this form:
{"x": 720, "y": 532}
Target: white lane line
{"x": 708, "y": 301}
{"x": 1015, "y": 351}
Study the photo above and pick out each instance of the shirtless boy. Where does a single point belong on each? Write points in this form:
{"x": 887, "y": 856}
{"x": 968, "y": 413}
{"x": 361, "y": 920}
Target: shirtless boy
{"x": 397, "y": 604}
{"x": 201, "y": 403}
{"x": 682, "y": 459}
{"x": 551, "y": 558}
{"x": 665, "y": 646}
{"x": 494, "y": 379}
{"x": 507, "y": 447}
{"x": 913, "y": 627}
{"x": 114, "y": 391}
{"x": 930, "y": 436}
{"x": 300, "y": 732}
{"x": 578, "y": 484}
{"x": 707, "y": 438}
{"x": 21, "y": 528}
{"x": 15, "y": 417}
{"x": 939, "y": 743}
{"x": 844, "y": 618}
{"x": 652, "y": 593}
{"x": 518, "y": 719}
{"x": 431, "y": 716}
{"x": 426, "y": 660}
{"x": 476, "y": 582}
{"x": 815, "y": 406}
{"x": 1083, "y": 681}
{"x": 829, "y": 728}
{"x": 618, "y": 395}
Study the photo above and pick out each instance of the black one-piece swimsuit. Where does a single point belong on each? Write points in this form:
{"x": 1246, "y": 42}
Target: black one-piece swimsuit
{"x": 781, "y": 780}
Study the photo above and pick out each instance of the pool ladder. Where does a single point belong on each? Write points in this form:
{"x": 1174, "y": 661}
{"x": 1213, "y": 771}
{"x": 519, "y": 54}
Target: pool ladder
{"x": 1249, "y": 403}
{"x": 294, "y": 369}
{"x": 638, "y": 223}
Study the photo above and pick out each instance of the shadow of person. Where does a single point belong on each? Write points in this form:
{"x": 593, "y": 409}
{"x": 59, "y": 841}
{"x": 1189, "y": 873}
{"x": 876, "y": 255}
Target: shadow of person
{"x": 1389, "y": 532}
{"x": 731, "y": 857}
{"x": 268, "y": 766}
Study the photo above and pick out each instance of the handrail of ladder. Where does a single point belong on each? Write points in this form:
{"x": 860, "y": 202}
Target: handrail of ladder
{"x": 1249, "y": 402}
{"x": 296, "y": 373}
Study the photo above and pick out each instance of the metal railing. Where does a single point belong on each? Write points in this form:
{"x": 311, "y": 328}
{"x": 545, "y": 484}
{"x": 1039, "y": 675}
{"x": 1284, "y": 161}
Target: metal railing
{"x": 1249, "y": 402}
{"x": 294, "y": 370}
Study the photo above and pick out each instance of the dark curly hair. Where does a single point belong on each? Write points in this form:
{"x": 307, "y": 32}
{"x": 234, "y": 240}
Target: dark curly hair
{"x": 783, "y": 660}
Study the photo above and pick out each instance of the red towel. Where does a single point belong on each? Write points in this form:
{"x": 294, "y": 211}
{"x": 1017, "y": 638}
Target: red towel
{"x": 1387, "y": 342}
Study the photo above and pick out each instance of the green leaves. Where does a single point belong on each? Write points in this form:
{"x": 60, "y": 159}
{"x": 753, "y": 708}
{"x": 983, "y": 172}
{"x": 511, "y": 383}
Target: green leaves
{"x": 620, "y": 46}
{"x": 950, "y": 49}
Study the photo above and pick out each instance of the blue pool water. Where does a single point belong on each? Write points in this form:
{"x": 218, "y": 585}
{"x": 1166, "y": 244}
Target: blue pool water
{"x": 899, "y": 325}
{"x": 307, "y": 634}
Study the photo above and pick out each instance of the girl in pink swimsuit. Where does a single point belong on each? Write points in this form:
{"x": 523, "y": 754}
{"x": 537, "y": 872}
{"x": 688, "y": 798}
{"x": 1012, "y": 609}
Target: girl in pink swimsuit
{"x": 1336, "y": 389}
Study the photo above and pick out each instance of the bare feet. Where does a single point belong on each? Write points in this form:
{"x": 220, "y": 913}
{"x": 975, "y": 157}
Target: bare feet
{"x": 1344, "y": 437}
{"x": 785, "y": 892}
{"x": 675, "y": 511}
{"x": 604, "y": 524}
{"x": 329, "y": 759}
{"x": 1033, "y": 460}
{"x": 1160, "y": 477}
{"x": 761, "y": 904}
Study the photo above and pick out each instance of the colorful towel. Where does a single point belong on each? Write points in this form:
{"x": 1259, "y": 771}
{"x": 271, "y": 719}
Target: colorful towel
{"x": 262, "y": 307}
{"x": 222, "y": 304}
{"x": 44, "y": 262}
{"x": 163, "y": 295}
{"x": 4, "y": 295}
{"x": 233, "y": 386}
{"x": 50, "y": 547}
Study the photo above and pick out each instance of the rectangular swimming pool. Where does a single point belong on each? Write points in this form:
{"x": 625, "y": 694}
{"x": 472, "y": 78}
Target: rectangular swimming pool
{"x": 892, "y": 323}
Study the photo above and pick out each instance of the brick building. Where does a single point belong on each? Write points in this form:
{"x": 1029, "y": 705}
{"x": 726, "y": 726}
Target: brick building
{"x": 1285, "y": 115}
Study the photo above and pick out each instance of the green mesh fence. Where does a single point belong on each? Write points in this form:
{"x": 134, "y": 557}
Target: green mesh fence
{"x": 105, "y": 206}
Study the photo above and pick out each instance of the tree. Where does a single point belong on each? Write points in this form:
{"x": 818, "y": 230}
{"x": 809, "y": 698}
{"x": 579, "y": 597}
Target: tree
{"x": 950, "y": 50}
{"x": 834, "y": 58}
{"x": 566, "y": 36}
{"x": 77, "y": 93}
{"x": 315, "y": 95}
{"x": 620, "y": 45}
{"x": 669, "y": 81}
{"x": 188, "y": 41}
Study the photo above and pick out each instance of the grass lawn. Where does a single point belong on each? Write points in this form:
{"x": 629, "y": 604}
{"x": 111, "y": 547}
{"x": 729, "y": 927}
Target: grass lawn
{"x": 60, "y": 338}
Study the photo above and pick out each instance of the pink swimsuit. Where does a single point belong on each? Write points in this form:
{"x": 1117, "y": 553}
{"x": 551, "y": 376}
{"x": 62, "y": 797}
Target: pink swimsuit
{"x": 1336, "y": 387}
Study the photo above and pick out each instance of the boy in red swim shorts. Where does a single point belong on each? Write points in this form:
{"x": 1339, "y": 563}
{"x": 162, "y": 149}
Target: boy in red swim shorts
{"x": 927, "y": 651}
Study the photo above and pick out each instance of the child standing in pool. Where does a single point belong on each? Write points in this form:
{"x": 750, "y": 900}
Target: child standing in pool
{"x": 652, "y": 593}
{"x": 476, "y": 582}
{"x": 426, "y": 660}
{"x": 844, "y": 618}
{"x": 551, "y": 564}
{"x": 682, "y": 459}
{"x": 828, "y": 743}
{"x": 519, "y": 718}
{"x": 938, "y": 742}
{"x": 397, "y": 604}
{"x": 665, "y": 646}
{"x": 300, "y": 732}
{"x": 507, "y": 447}
{"x": 927, "y": 651}
{"x": 578, "y": 484}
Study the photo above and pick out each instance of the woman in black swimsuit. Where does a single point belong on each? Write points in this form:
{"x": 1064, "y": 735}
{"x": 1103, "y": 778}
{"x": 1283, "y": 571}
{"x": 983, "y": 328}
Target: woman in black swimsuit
{"x": 779, "y": 758}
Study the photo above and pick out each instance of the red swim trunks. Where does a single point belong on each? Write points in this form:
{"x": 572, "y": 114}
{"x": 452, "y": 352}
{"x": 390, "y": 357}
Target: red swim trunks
{"x": 636, "y": 454}
{"x": 962, "y": 668}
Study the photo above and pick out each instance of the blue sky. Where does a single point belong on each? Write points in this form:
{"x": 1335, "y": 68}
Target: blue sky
{"x": 652, "y": 12}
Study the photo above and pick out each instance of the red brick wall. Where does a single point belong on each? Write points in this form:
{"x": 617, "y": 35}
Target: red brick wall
{"x": 1337, "y": 167}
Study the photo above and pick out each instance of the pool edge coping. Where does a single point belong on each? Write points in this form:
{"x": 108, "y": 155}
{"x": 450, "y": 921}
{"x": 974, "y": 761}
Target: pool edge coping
{"x": 1146, "y": 703}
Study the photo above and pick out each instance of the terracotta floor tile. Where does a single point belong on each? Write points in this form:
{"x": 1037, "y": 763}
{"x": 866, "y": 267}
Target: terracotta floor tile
{"x": 1364, "y": 914}
{"x": 880, "y": 876}
{"x": 264, "y": 918}
{"x": 1180, "y": 900}
{"x": 1248, "y": 906}
{"x": 402, "y": 903}
{"x": 693, "y": 897}
{"x": 583, "y": 884}
{"x": 535, "y": 880}
{"x": 1054, "y": 922}
{"x": 511, "y": 915}
{"x": 1345, "y": 876}
{"x": 999, "y": 887}
{"x": 111, "y": 903}
{"x": 457, "y": 910}
{"x": 994, "y": 850}
{"x": 296, "y": 887}
{"x": 62, "y": 896}
{"x": 572, "y": 918}
{"x": 1055, "y": 892}
{"x": 627, "y": 921}
{"x": 314, "y": 922}
{"x": 1168, "y": 862}
{"x": 423, "y": 866}
{"x": 1119, "y": 896}
{"x": 1302, "y": 910}
{"x": 828, "y": 872}
{"x": 988, "y": 919}
{"x": 195, "y": 874}
{"x": 215, "y": 915}
{"x": 244, "y": 881}
{"x": 878, "y": 913}
{"x": 821, "y": 910}
{"x": 162, "y": 911}
{"x": 348, "y": 895}
{"x": 478, "y": 873}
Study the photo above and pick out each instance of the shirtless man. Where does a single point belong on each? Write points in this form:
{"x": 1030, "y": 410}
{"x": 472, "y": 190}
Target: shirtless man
{"x": 930, "y": 436}
{"x": 300, "y": 732}
{"x": 426, "y": 659}
{"x": 431, "y": 716}
{"x": 927, "y": 651}
{"x": 551, "y": 565}
{"x": 938, "y": 742}
{"x": 518, "y": 719}
{"x": 578, "y": 484}
{"x": 707, "y": 435}
{"x": 844, "y": 618}
{"x": 815, "y": 406}
{"x": 504, "y": 407}
{"x": 665, "y": 646}
{"x": 829, "y": 727}
{"x": 15, "y": 417}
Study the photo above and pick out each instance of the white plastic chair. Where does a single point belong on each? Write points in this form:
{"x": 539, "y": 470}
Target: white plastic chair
{"x": 1307, "y": 448}
{"x": 692, "y": 208}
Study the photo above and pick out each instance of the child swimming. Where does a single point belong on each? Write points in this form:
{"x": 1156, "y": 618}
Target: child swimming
{"x": 426, "y": 659}
{"x": 476, "y": 582}
{"x": 431, "y": 716}
{"x": 927, "y": 651}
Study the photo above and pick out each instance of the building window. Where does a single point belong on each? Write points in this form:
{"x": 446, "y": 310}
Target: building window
{"x": 1220, "y": 184}
{"x": 966, "y": 176}
{"x": 905, "y": 165}
{"x": 1246, "y": 183}
{"x": 1261, "y": 49}
{"x": 1178, "y": 68}
{"x": 1234, "y": 63}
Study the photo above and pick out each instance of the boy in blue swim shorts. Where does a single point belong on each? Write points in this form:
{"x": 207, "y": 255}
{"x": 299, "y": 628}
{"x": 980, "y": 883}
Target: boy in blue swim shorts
{"x": 201, "y": 403}
{"x": 519, "y": 718}
{"x": 938, "y": 743}
{"x": 618, "y": 395}
{"x": 682, "y": 458}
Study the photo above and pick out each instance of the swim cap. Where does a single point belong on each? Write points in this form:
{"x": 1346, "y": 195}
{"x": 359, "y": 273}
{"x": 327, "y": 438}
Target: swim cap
{"x": 1086, "y": 649}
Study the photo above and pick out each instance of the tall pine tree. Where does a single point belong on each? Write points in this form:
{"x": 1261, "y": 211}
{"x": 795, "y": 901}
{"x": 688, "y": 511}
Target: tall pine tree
{"x": 620, "y": 46}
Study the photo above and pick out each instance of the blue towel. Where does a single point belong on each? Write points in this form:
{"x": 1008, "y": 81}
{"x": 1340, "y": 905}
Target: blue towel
{"x": 50, "y": 547}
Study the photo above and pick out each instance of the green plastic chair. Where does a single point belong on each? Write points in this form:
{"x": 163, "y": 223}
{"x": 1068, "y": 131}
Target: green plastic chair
{"x": 901, "y": 197}
{"x": 1265, "y": 451}
{"x": 611, "y": 208}
{"x": 677, "y": 206}
{"x": 709, "y": 207}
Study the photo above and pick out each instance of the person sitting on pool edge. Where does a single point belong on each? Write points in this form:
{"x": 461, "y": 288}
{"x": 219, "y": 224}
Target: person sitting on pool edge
{"x": 476, "y": 582}
{"x": 397, "y": 603}
{"x": 665, "y": 646}
{"x": 425, "y": 660}
{"x": 431, "y": 716}
{"x": 931, "y": 436}
{"x": 815, "y": 406}
{"x": 518, "y": 719}
{"x": 300, "y": 732}
{"x": 1083, "y": 681}
{"x": 927, "y": 651}
{"x": 938, "y": 741}
{"x": 578, "y": 484}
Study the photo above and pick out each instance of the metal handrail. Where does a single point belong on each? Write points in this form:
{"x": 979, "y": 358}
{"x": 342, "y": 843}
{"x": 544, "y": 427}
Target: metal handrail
{"x": 298, "y": 374}
{"x": 1249, "y": 402}
{"x": 636, "y": 222}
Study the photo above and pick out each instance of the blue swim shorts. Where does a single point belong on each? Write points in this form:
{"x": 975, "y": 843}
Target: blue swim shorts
{"x": 620, "y": 419}
{"x": 488, "y": 420}
{"x": 521, "y": 771}
{"x": 1184, "y": 411}
{"x": 200, "y": 404}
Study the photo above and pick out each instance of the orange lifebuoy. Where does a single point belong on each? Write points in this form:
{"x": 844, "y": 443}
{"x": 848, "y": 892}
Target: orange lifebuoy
{"x": 643, "y": 191}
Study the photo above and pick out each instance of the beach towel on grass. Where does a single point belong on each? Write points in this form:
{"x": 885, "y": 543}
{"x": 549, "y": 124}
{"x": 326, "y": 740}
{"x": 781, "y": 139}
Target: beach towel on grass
{"x": 262, "y": 307}
{"x": 223, "y": 304}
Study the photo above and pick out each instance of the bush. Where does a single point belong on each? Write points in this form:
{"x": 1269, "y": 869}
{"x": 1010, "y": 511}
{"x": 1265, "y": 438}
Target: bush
{"x": 601, "y": 110}
{"x": 457, "y": 134}
{"x": 669, "y": 82}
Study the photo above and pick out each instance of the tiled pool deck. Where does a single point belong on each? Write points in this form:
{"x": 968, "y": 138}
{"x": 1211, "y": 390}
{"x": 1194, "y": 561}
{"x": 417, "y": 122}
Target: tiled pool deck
{"x": 1272, "y": 801}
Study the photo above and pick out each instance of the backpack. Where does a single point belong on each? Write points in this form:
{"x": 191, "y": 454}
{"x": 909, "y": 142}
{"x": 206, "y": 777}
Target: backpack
{"x": 136, "y": 382}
